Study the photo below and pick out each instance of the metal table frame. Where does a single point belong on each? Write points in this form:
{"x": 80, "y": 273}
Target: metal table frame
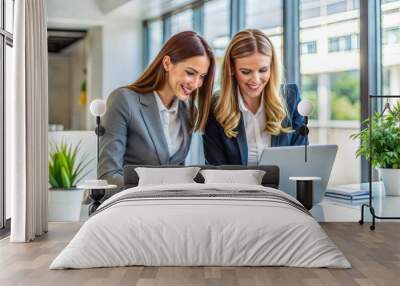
{"x": 369, "y": 205}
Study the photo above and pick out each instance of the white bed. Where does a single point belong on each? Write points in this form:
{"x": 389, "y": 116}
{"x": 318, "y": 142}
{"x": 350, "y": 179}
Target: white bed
{"x": 185, "y": 230}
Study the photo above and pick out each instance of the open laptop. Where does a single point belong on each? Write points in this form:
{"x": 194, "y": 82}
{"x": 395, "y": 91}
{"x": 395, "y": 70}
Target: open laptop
{"x": 290, "y": 160}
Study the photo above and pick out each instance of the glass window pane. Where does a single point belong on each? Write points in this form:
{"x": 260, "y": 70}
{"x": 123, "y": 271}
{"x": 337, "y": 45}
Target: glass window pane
{"x": 1, "y": 16}
{"x": 308, "y": 47}
{"x": 9, "y": 11}
{"x": 345, "y": 95}
{"x": 390, "y": 47}
{"x": 337, "y": 6}
{"x": 216, "y": 31}
{"x": 8, "y": 82}
{"x": 182, "y": 21}
{"x": 330, "y": 78}
{"x": 268, "y": 18}
{"x": 309, "y": 84}
{"x": 155, "y": 38}
{"x": 310, "y": 9}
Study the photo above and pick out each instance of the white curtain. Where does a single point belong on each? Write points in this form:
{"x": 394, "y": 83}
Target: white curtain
{"x": 27, "y": 148}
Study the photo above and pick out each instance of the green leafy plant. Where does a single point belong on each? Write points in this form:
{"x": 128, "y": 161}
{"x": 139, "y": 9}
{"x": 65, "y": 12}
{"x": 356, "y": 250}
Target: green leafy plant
{"x": 385, "y": 139}
{"x": 64, "y": 170}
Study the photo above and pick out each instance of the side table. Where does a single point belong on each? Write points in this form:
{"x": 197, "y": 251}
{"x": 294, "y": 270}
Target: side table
{"x": 304, "y": 190}
{"x": 96, "y": 193}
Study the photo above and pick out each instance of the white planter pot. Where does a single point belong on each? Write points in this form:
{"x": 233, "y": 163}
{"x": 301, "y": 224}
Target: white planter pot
{"x": 391, "y": 181}
{"x": 65, "y": 205}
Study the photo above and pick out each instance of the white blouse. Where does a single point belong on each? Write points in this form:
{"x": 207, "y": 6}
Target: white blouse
{"x": 254, "y": 124}
{"x": 171, "y": 124}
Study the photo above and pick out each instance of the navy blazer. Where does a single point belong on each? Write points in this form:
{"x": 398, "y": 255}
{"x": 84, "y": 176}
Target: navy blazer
{"x": 221, "y": 150}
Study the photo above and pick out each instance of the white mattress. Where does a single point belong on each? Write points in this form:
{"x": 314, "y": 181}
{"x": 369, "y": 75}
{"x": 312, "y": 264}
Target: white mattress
{"x": 200, "y": 231}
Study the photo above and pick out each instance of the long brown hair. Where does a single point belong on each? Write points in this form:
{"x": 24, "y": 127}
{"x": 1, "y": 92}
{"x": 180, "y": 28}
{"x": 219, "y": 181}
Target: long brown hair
{"x": 179, "y": 47}
{"x": 226, "y": 111}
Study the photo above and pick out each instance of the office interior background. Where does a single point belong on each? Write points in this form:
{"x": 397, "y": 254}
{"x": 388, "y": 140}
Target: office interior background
{"x": 337, "y": 51}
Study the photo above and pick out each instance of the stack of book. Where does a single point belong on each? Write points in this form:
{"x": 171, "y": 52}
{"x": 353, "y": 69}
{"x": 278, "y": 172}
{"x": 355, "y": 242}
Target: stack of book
{"x": 348, "y": 192}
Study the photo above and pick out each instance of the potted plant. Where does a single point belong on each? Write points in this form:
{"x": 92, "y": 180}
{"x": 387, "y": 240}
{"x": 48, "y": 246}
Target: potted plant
{"x": 64, "y": 174}
{"x": 385, "y": 144}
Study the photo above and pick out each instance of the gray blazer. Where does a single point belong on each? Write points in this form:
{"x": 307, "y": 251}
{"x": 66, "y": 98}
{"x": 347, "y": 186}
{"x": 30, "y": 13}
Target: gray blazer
{"x": 134, "y": 135}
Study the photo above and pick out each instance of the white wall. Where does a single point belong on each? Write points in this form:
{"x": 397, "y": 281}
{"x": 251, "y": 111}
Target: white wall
{"x": 94, "y": 52}
{"x": 114, "y": 58}
{"x": 122, "y": 54}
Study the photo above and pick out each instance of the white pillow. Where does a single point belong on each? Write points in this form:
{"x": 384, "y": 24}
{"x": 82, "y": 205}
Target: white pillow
{"x": 165, "y": 176}
{"x": 248, "y": 177}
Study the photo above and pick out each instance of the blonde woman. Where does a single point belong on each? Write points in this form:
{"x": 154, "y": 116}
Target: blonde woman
{"x": 252, "y": 110}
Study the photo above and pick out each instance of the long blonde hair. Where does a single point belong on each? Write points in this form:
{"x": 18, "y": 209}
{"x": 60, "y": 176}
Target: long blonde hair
{"x": 179, "y": 47}
{"x": 226, "y": 111}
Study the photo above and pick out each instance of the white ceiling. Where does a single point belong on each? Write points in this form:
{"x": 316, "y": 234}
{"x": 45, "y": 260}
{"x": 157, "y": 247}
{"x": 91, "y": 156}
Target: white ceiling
{"x": 107, "y": 6}
{"x": 147, "y": 8}
{"x": 84, "y": 13}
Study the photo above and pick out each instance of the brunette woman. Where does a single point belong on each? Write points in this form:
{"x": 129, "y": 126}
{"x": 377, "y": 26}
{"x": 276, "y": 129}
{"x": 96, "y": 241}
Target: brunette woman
{"x": 150, "y": 122}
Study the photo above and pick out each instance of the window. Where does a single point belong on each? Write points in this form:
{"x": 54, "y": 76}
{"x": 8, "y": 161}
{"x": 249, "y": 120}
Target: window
{"x": 329, "y": 53}
{"x": 310, "y": 9}
{"x": 155, "y": 30}
{"x": 336, "y": 7}
{"x": 340, "y": 6}
{"x": 391, "y": 36}
{"x": 308, "y": 48}
{"x": 330, "y": 78}
{"x": 6, "y": 43}
{"x": 345, "y": 92}
{"x": 334, "y": 44}
{"x": 317, "y": 8}
{"x": 309, "y": 84}
{"x": 390, "y": 21}
{"x": 261, "y": 16}
{"x": 182, "y": 21}
{"x": 9, "y": 12}
{"x": 216, "y": 31}
{"x": 269, "y": 19}
{"x": 343, "y": 43}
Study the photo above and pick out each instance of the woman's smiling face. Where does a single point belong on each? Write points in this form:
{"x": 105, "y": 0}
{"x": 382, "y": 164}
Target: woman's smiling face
{"x": 186, "y": 76}
{"x": 252, "y": 74}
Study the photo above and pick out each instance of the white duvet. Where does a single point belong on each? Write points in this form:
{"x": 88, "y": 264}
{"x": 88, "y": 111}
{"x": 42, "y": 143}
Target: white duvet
{"x": 200, "y": 231}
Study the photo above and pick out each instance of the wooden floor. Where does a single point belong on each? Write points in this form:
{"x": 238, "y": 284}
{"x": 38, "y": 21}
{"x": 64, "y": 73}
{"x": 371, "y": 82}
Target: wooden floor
{"x": 374, "y": 255}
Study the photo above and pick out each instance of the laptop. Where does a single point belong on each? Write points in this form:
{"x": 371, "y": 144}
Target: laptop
{"x": 291, "y": 163}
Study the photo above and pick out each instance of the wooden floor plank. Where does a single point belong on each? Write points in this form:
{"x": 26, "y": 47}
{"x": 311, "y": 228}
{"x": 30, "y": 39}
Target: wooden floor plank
{"x": 374, "y": 255}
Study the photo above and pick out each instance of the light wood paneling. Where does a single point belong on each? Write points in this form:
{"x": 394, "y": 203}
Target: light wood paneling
{"x": 374, "y": 255}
